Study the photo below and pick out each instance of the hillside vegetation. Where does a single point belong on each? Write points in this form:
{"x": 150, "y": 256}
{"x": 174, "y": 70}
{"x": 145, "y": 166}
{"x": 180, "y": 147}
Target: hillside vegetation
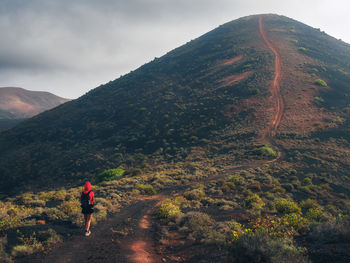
{"x": 189, "y": 129}
{"x": 164, "y": 107}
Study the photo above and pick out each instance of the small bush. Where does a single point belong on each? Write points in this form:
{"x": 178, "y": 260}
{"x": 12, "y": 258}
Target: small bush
{"x": 253, "y": 202}
{"x": 320, "y": 82}
{"x": 236, "y": 179}
{"x": 170, "y": 210}
{"x": 200, "y": 227}
{"x": 302, "y": 49}
{"x": 22, "y": 250}
{"x": 285, "y": 206}
{"x": 146, "y": 189}
{"x": 54, "y": 214}
{"x": 260, "y": 247}
{"x": 195, "y": 194}
{"x": 296, "y": 221}
{"x": 267, "y": 151}
{"x": 309, "y": 203}
{"x": 49, "y": 237}
{"x": 29, "y": 245}
{"x": 70, "y": 206}
{"x": 9, "y": 222}
{"x": 307, "y": 181}
{"x": 315, "y": 214}
{"x": 318, "y": 99}
{"x": 111, "y": 174}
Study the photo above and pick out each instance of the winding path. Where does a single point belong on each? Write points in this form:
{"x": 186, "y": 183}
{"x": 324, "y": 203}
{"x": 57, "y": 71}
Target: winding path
{"x": 104, "y": 246}
{"x": 275, "y": 91}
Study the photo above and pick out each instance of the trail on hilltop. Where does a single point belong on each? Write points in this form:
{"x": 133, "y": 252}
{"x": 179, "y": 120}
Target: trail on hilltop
{"x": 275, "y": 91}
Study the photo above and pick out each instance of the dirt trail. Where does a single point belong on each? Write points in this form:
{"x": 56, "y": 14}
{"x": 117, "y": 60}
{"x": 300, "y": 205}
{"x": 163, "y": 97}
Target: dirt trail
{"x": 105, "y": 246}
{"x": 125, "y": 237}
{"x": 141, "y": 253}
{"x": 275, "y": 91}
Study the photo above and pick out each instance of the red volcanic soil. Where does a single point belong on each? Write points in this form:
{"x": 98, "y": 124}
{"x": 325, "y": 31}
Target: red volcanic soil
{"x": 234, "y": 78}
{"x": 105, "y": 245}
{"x": 231, "y": 61}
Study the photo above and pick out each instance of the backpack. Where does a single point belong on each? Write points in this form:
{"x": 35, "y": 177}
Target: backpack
{"x": 85, "y": 200}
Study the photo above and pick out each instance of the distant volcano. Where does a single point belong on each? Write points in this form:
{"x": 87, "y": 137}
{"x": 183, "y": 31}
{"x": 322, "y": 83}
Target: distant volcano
{"x": 18, "y": 103}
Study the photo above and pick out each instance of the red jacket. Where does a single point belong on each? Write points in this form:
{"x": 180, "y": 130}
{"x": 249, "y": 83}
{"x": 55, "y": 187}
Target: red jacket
{"x": 87, "y": 188}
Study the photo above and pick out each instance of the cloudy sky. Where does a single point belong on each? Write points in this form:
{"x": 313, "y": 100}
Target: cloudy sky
{"x": 68, "y": 47}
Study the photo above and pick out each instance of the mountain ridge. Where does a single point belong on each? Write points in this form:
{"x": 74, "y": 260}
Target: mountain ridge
{"x": 189, "y": 97}
{"x": 19, "y": 103}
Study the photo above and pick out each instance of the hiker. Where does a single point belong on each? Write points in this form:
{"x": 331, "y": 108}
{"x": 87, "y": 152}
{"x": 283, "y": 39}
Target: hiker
{"x": 87, "y": 203}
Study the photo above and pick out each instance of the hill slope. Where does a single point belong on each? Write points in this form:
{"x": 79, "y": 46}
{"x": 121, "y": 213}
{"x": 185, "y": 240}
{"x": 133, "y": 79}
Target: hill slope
{"x": 214, "y": 92}
{"x": 265, "y": 179}
{"x": 18, "y": 103}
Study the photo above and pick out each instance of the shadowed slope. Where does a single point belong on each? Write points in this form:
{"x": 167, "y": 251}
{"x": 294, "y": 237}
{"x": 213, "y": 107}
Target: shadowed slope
{"x": 180, "y": 101}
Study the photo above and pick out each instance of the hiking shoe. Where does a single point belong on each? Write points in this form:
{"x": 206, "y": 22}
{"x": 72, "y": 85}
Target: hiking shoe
{"x": 87, "y": 233}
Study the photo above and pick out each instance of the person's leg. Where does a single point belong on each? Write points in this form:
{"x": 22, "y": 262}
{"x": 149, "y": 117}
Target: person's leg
{"x": 88, "y": 221}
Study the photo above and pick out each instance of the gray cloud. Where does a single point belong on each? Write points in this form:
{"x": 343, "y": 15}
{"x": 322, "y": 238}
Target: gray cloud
{"x": 68, "y": 47}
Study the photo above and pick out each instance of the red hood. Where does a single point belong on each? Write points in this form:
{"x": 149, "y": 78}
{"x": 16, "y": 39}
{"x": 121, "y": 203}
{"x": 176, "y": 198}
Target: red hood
{"x": 87, "y": 187}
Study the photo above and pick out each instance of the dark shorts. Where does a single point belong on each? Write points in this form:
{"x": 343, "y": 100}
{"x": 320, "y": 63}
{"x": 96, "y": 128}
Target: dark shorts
{"x": 88, "y": 210}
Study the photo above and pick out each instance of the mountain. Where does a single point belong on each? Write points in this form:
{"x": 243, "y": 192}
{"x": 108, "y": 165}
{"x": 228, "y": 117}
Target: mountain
{"x": 17, "y": 104}
{"x": 213, "y": 92}
{"x": 231, "y": 148}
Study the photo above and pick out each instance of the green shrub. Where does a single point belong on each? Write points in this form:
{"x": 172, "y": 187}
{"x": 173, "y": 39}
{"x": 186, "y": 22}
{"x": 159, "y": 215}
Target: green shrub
{"x": 285, "y": 206}
{"x": 253, "y": 202}
{"x": 320, "y": 82}
{"x": 111, "y": 174}
{"x": 256, "y": 91}
{"x": 47, "y": 196}
{"x": 61, "y": 195}
{"x": 296, "y": 221}
{"x": 22, "y": 250}
{"x": 146, "y": 189}
{"x": 195, "y": 194}
{"x": 315, "y": 214}
{"x": 200, "y": 227}
{"x": 54, "y": 214}
{"x": 228, "y": 186}
{"x": 309, "y": 203}
{"x": 49, "y": 237}
{"x": 307, "y": 181}
{"x": 29, "y": 244}
{"x": 69, "y": 207}
{"x": 260, "y": 247}
{"x": 318, "y": 99}
{"x": 9, "y": 222}
{"x": 302, "y": 49}
{"x": 170, "y": 210}
{"x": 267, "y": 151}
{"x": 236, "y": 178}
